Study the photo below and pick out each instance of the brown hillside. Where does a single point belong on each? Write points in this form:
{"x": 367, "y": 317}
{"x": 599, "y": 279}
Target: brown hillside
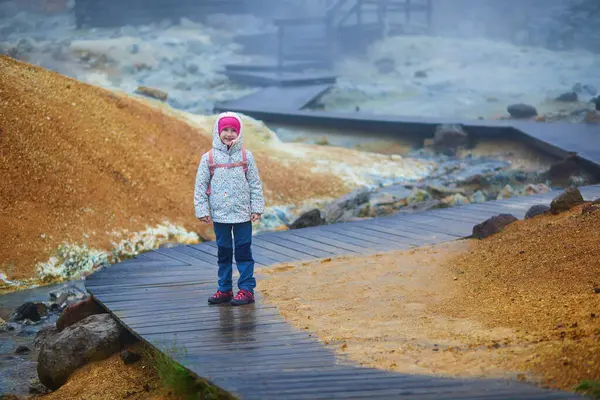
{"x": 79, "y": 160}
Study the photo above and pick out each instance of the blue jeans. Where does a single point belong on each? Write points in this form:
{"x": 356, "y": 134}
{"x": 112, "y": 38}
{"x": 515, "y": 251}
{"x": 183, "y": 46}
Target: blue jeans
{"x": 242, "y": 238}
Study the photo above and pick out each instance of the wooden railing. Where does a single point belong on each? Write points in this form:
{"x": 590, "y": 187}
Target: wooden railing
{"x": 338, "y": 15}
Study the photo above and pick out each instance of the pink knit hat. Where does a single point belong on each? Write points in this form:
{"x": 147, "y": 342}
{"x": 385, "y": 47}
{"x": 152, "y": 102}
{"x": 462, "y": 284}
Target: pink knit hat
{"x": 229, "y": 122}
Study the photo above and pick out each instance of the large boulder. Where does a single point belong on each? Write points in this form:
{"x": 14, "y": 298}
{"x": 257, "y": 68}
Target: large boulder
{"x": 566, "y": 200}
{"x": 522, "y": 110}
{"x": 492, "y": 225}
{"x": 308, "y": 219}
{"x": 450, "y": 137}
{"x": 536, "y": 210}
{"x": 92, "y": 339}
{"x": 77, "y": 312}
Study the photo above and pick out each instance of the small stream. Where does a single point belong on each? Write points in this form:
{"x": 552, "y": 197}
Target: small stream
{"x": 18, "y": 372}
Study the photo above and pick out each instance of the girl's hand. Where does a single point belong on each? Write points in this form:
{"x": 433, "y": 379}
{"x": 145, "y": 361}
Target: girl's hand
{"x": 206, "y": 220}
{"x": 255, "y": 217}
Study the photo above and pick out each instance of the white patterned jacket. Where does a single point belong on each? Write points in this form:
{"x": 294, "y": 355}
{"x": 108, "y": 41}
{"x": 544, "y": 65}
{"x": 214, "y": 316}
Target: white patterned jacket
{"x": 233, "y": 196}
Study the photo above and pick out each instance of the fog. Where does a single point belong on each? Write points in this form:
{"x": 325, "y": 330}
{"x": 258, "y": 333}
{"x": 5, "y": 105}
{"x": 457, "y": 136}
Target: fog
{"x": 466, "y": 58}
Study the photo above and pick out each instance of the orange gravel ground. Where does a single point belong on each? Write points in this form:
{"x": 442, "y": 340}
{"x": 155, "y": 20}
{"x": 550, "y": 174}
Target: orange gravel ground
{"x": 79, "y": 160}
{"x": 519, "y": 305}
{"x": 112, "y": 379}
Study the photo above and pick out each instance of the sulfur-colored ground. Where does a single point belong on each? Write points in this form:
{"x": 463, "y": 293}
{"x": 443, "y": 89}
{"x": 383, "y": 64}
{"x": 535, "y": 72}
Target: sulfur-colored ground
{"x": 519, "y": 304}
{"x": 78, "y": 162}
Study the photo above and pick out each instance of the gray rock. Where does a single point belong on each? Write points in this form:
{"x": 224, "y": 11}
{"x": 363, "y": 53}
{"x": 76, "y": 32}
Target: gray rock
{"x": 22, "y": 350}
{"x": 308, "y": 219}
{"x": 568, "y": 97}
{"x": 43, "y": 334}
{"x": 36, "y": 387}
{"x": 492, "y": 225}
{"x": 92, "y": 339}
{"x": 134, "y": 48}
{"x": 421, "y": 74}
{"x": 585, "y": 88}
{"x": 418, "y": 196}
{"x": 536, "y": 210}
{"x": 152, "y": 93}
{"x": 192, "y": 68}
{"x": 385, "y": 65}
{"x": 566, "y": 200}
{"x": 506, "y": 192}
{"x": 590, "y": 208}
{"x": 30, "y": 311}
{"x": 478, "y": 197}
{"x": 130, "y": 357}
{"x": 25, "y": 45}
{"x": 450, "y": 137}
{"x": 350, "y": 201}
{"x": 456, "y": 200}
{"x": 440, "y": 190}
{"x": 590, "y": 89}
{"x": 522, "y": 110}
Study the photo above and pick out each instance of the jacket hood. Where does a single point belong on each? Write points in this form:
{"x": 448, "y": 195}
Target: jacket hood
{"x": 237, "y": 143}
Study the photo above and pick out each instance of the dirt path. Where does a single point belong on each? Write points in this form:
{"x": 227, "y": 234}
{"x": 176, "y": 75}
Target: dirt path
{"x": 520, "y": 304}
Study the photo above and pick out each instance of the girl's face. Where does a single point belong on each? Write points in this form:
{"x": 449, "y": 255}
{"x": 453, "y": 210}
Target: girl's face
{"x": 228, "y": 135}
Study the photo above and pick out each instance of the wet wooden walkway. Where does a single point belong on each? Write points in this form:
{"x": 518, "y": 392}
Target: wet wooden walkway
{"x": 289, "y": 106}
{"x": 251, "y": 351}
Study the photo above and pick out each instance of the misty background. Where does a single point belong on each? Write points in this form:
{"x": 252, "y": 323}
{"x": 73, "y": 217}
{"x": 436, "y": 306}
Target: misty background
{"x": 476, "y": 58}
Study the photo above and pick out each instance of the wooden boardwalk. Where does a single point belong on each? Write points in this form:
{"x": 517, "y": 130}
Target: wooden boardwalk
{"x": 251, "y": 351}
{"x": 280, "y": 106}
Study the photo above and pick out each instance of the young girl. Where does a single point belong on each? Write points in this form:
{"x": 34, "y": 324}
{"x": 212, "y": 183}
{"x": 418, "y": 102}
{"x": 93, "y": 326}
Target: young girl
{"x": 229, "y": 193}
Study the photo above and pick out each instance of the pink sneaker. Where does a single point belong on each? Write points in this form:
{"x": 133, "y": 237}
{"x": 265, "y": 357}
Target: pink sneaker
{"x": 221, "y": 297}
{"x": 243, "y": 297}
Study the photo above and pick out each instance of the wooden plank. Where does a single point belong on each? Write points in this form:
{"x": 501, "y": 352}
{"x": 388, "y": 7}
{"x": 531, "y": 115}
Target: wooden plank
{"x": 410, "y": 228}
{"x": 312, "y": 235}
{"x": 306, "y": 248}
{"x": 145, "y": 282}
{"x": 360, "y": 230}
{"x": 184, "y": 327}
{"x": 456, "y": 226}
{"x": 420, "y": 226}
{"x": 257, "y": 335}
{"x": 406, "y": 236}
{"x": 206, "y": 247}
{"x": 285, "y": 251}
{"x": 338, "y": 232}
{"x": 232, "y": 346}
{"x": 176, "y": 253}
{"x": 458, "y": 214}
{"x": 259, "y": 255}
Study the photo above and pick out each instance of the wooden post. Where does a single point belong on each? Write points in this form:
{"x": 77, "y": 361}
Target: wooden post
{"x": 407, "y": 11}
{"x": 359, "y": 13}
{"x": 429, "y": 16}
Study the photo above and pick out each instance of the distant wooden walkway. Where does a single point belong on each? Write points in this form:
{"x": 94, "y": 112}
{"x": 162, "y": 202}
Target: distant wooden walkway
{"x": 251, "y": 351}
{"x": 279, "y": 105}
